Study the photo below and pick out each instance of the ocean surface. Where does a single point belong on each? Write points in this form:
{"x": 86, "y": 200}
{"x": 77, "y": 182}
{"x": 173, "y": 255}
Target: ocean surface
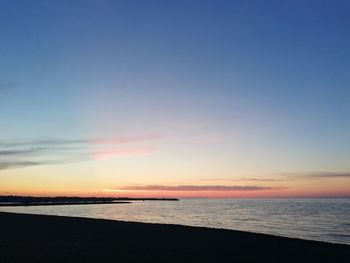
{"x": 314, "y": 219}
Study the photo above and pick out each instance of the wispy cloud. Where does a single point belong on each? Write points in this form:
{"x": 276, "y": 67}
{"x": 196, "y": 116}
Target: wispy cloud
{"x": 25, "y": 153}
{"x": 13, "y": 164}
{"x": 124, "y": 153}
{"x": 242, "y": 179}
{"x": 21, "y": 151}
{"x": 317, "y": 175}
{"x": 282, "y": 177}
{"x": 128, "y": 139}
{"x": 10, "y": 164}
{"x": 194, "y": 188}
{"x": 74, "y": 142}
{"x": 41, "y": 143}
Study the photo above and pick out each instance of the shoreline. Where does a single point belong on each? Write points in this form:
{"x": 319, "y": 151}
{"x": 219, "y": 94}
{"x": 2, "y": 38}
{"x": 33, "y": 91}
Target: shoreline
{"x": 62, "y": 203}
{"x": 12, "y": 200}
{"x": 43, "y": 238}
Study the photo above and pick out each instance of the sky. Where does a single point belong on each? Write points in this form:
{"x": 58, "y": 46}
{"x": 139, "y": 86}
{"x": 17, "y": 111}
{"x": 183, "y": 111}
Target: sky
{"x": 175, "y": 98}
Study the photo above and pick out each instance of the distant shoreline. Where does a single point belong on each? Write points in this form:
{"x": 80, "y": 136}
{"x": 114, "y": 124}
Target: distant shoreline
{"x": 42, "y": 238}
{"x": 61, "y": 203}
{"x": 6, "y": 201}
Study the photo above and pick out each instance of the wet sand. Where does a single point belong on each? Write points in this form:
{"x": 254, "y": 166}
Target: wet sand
{"x": 38, "y": 238}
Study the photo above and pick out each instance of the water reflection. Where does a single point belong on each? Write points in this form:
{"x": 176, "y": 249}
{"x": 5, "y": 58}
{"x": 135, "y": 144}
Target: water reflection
{"x": 316, "y": 219}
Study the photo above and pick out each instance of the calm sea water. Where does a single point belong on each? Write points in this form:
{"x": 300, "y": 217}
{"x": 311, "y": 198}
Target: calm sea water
{"x": 315, "y": 219}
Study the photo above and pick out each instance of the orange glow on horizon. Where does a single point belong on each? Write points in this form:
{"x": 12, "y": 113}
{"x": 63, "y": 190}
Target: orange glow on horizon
{"x": 187, "y": 194}
{"x": 123, "y": 179}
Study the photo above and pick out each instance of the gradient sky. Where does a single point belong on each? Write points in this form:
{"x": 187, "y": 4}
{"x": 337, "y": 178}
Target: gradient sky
{"x": 175, "y": 98}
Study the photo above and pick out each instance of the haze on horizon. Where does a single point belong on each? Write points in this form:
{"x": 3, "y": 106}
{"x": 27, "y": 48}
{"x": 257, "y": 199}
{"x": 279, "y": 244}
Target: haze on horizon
{"x": 175, "y": 98}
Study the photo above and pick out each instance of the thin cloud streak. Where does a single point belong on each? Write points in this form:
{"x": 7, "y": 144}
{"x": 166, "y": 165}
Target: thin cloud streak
{"x": 50, "y": 142}
{"x": 242, "y": 179}
{"x": 317, "y": 175}
{"x": 283, "y": 177}
{"x": 98, "y": 141}
{"x": 195, "y": 188}
{"x": 10, "y": 165}
{"x": 24, "y": 153}
{"x": 4, "y": 165}
{"x": 21, "y": 151}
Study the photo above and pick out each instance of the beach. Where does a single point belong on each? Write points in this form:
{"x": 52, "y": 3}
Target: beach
{"x": 39, "y": 238}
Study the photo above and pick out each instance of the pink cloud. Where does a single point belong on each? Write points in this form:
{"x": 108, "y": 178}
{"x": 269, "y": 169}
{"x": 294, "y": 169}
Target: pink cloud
{"x": 124, "y": 153}
{"x": 123, "y": 147}
{"x": 128, "y": 139}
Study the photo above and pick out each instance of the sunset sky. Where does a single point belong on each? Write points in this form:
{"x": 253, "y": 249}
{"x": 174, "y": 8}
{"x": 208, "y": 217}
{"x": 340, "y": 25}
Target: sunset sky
{"x": 175, "y": 98}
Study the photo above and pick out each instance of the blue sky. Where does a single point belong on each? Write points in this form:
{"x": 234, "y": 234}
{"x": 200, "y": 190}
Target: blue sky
{"x": 260, "y": 83}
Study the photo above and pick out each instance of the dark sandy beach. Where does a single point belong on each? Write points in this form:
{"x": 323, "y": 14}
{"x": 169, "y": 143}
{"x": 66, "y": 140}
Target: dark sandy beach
{"x": 37, "y": 238}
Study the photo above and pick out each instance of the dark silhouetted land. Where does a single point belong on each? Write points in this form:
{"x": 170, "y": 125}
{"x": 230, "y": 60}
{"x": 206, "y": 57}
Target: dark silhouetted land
{"x": 38, "y": 238}
{"x": 64, "y": 200}
{"x": 64, "y": 203}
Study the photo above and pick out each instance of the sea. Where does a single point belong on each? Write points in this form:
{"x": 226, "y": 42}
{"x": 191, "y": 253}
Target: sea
{"x": 313, "y": 219}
